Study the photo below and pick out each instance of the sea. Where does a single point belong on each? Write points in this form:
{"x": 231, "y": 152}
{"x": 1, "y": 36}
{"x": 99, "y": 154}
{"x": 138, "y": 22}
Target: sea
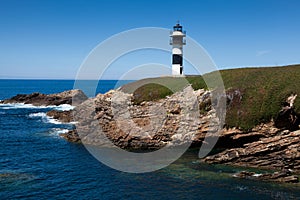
{"x": 36, "y": 163}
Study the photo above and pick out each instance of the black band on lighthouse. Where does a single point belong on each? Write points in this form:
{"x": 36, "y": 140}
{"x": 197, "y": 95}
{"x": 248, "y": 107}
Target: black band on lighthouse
{"x": 177, "y": 59}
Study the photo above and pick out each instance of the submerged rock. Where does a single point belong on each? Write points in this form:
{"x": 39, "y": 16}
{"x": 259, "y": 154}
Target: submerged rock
{"x": 283, "y": 176}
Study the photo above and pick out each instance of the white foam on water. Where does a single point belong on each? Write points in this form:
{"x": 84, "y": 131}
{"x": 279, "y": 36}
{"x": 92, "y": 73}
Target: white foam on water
{"x": 47, "y": 119}
{"x": 57, "y": 131}
{"x": 53, "y": 121}
{"x": 241, "y": 187}
{"x": 40, "y": 114}
{"x": 19, "y": 105}
{"x": 62, "y": 107}
{"x": 44, "y": 117}
{"x": 256, "y": 175}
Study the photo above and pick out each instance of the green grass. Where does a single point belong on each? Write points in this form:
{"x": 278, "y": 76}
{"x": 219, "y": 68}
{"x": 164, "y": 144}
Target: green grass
{"x": 263, "y": 91}
{"x": 152, "y": 89}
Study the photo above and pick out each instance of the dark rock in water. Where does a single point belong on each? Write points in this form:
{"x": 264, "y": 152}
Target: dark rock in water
{"x": 71, "y": 136}
{"x": 38, "y": 99}
{"x": 283, "y": 176}
{"x": 62, "y": 116}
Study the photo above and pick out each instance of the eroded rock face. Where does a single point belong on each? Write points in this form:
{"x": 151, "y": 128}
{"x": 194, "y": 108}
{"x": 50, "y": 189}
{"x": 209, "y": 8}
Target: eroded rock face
{"x": 38, "y": 99}
{"x": 150, "y": 125}
{"x": 282, "y": 150}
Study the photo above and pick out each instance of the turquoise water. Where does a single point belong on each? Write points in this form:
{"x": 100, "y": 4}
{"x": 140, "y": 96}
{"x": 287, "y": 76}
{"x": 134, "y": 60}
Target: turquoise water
{"x": 35, "y": 163}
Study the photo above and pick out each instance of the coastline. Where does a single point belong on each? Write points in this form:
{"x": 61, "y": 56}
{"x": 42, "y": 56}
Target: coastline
{"x": 233, "y": 136}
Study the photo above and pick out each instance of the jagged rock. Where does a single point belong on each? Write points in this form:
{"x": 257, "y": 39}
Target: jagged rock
{"x": 152, "y": 125}
{"x": 149, "y": 125}
{"x": 38, "y": 99}
{"x": 62, "y": 116}
{"x": 71, "y": 136}
{"x": 274, "y": 152}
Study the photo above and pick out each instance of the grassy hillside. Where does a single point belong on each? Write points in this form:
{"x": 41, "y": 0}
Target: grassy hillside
{"x": 156, "y": 88}
{"x": 263, "y": 91}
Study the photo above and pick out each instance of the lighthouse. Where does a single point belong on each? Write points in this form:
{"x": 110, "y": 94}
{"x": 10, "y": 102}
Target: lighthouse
{"x": 177, "y": 41}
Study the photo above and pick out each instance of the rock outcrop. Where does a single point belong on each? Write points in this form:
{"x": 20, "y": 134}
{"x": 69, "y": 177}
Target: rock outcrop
{"x": 150, "y": 125}
{"x": 71, "y": 136}
{"x": 62, "y": 116}
{"x": 279, "y": 151}
{"x": 71, "y": 97}
{"x": 38, "y": 99}
{"x": 275, "y": 145}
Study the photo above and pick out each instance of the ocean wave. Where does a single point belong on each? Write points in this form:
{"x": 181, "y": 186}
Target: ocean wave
{"x": 18, "y": 105}
{"x": 62, "y": 107}
{"x": 45, "y": 118}
{"x": 57, "y": 131}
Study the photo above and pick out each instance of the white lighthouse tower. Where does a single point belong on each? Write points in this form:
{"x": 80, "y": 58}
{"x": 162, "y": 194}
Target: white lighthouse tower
{"x": 177, "y": 41}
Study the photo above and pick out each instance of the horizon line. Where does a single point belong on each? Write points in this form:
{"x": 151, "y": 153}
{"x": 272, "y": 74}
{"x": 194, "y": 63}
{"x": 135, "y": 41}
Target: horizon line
{"x": 219, "y": 68}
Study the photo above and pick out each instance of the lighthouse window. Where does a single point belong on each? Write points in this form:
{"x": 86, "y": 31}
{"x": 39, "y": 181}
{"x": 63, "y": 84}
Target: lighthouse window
{"x": 177, "y": 59}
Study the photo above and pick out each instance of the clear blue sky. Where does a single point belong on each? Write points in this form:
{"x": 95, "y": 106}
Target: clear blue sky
{"x": 50, "y": 39}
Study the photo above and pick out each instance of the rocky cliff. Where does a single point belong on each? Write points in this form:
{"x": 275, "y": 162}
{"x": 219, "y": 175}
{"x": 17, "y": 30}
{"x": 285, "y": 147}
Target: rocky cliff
{"x": 149, "y": 125}
{"x": 175, "y": 120}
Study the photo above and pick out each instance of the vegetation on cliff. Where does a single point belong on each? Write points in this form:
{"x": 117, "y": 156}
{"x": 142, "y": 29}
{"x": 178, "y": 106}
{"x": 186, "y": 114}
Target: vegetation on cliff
{"x": 262, "y": 91}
